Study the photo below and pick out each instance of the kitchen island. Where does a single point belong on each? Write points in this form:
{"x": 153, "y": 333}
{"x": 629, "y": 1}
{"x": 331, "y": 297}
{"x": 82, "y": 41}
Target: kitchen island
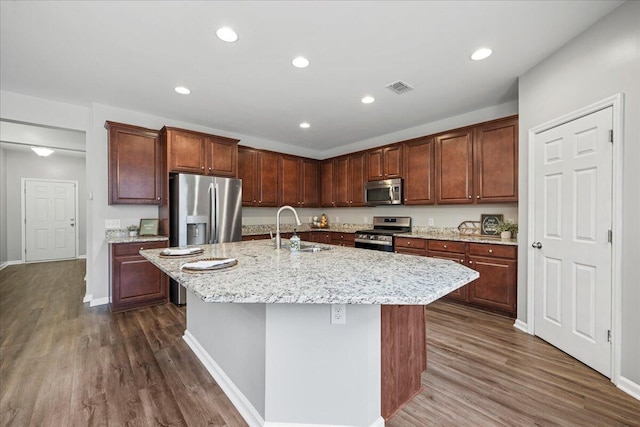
{"x": 262, "y": 328}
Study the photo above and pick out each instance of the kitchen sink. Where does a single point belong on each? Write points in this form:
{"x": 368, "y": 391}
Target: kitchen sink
{"x": 308, "y": 248}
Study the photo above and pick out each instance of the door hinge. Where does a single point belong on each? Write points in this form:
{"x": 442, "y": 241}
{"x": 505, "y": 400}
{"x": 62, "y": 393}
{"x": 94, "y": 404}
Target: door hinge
{"x": 611, "y": 136}
{"x": 610, "y": 236}
{"x": 609, "y": 335}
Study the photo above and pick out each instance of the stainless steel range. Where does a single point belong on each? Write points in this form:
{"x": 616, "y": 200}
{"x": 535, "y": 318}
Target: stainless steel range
{"x": 380, "y": 238}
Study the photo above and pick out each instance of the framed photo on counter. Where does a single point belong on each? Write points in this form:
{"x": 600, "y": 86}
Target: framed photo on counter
{"x": 148, "y": 227}
{"x": 489, "y": 224}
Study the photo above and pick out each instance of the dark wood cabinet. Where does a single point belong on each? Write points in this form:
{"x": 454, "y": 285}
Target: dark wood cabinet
{"x": 403, "y": 355}
{"x": 200, "y": 153}
{"x": 327, "y": 193}
{"x": 320, "y": 237}
{"x": 496, "y": 161}
{"x": 419, "y": 172}
{"x": 454, "y": 167}
{"x": 410, "y": 246}
{"x": 496, "y": 289}
{"x": 349, "y": 177}
{"x": 135, "y": 282}
{"x": 298, "y": 179}
{"x": 258, "y": 170}
{"x": 385, "y": 162}
{"x": 135, "y": 165}
{"x": 343, "y": 239}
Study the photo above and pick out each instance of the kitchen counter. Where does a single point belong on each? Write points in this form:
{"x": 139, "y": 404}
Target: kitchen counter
{"x": 457, "y": 237}
{"x": 336, "y": 276}
{"x": 137, "y": 239}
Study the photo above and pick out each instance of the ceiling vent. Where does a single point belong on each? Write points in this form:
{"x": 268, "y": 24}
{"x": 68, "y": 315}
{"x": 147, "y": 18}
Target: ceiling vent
{"x": 399, "y": 87}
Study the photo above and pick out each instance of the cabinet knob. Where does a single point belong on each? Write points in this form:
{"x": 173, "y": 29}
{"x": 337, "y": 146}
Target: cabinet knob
{"x": 470, "y": 262}
{"x": 477, "y": 197}
{"x": 444, "y": 246}
{"x": 158, "y": 197}
{"x": 490, "y": 251}
{"x": 209, "y": 168}
{"x": 141, "y": 249}
{"x": 302, "y": 203}
{"x": 461, "y": 261}
{"x": 408, "y": 243}
{"x": 469, "y": 196}
{"x": 202, "y": 167}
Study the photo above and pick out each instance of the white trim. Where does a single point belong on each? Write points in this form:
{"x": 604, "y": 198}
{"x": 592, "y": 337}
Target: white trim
{"x": 87, "y": 298}
{"x": 14, "y": 262}
{"x": 617, "y": 102}
{"x": 377, "y": 423}
{"x": 23, "y": 214}
{"x": 629, "y": 387}
{"x": 519, "y": 324}
{"x": 98, "y": 301}
{"x": 82, "y": 257}
{"x": 3, "y": 265}
{"x": 238, "y": 399}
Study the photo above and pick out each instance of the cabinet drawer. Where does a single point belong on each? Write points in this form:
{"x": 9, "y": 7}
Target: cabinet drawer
{"x": 500, "y": 251}
{"x": 408, "y": 242}
{"x": 122, "y": 249}
{"x": 446, "y": 246}
{"x": 343, "y": 237}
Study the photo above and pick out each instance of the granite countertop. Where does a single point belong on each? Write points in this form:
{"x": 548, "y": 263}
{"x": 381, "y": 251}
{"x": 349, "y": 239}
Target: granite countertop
{"x": 252, "y": 230}
{"x": 137, "y": 239}
{"x": 457, "y": 237}
{"x": 336, "y": 276}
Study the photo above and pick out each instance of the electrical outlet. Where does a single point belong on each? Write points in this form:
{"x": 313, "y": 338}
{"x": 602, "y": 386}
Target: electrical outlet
{"x": 310, "y": 220}
{"x": 111, "y": 224}
{"x": 337, "y": 219}
{"x": 366, "y": 219}
{"x": 430, "y": 221}
{"x": 338, "y": 314}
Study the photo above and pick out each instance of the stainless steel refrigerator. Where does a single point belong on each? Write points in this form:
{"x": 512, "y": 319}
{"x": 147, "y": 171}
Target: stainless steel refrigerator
{"x": 204, "y": 210}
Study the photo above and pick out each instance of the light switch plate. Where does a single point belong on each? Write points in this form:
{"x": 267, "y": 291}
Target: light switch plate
{"x": 110, "y": 224}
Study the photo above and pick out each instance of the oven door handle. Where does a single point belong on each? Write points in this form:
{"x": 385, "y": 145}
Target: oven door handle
{"x": 374, "y": 242}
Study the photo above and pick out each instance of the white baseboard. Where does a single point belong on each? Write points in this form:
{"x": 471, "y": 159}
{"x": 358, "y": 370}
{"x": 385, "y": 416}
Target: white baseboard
{"x": 519, "y": 324}
{"x": 238, "y": 399}
{"x": 82, "y": 257}
{"x": 3, "y": 265}
{"x": 377, "y": 423}
{"x": 87, "y": 298}
{"x": 629, "y": 387}
{"x": 98, "y": 301}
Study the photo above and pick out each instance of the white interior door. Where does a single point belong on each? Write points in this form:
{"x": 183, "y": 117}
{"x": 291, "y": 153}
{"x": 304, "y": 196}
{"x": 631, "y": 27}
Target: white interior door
{"x": 573, "y": 215}
{"x": 50, "y": 220}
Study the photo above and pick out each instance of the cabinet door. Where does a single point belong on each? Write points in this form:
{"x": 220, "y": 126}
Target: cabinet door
{"x": 454, "y": 163}
{"x": 460, "y": 294}
{"x": 290, "y": 174}
{"x": 419, "y": 172}
{"x": 392, "y": 157}
{"x": 357, "y": 174}
{"x": 496, "y": 158}
{"x": 341, "y": 179}
{"x": 309, "y": 188}
{"x": 135, "y": 165}
{"x": 496, "y": 286}
{"x": 186, "y": 152}
{"x": 327, "y": 195}
{"x": 267, "y": 179}
{"x": 247, "y": 169}
{"x": 375, "y": 164}
{"x": 222, "y": 157}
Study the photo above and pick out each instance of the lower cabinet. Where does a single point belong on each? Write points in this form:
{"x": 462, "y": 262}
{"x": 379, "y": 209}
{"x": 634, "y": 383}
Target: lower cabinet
{"x": 343, "y": 239}
{"x": 320, "y": 237}
{"x": 135, "y": 282}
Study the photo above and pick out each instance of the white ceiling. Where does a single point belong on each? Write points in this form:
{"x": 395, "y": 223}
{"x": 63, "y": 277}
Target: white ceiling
{"x": 132, "y": 55}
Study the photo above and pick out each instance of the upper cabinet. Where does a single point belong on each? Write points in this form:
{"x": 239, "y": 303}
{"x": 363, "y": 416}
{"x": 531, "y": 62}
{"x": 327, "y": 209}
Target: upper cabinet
{"x": 385, "y": 162}
{"x": 199, "y": 153}
{"x": 419, "y": 171}
{"x": 135, "y": 165}
{"x": 298, "y": 179}
{"x": 349, "y": 174}
{"x": 259, "y": 173}
{"x": 478, "y": 164}
{"x": 327, "y": 193}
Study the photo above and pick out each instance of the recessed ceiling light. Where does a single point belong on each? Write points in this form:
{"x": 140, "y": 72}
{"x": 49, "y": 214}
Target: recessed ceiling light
{"x": 182, "y": 90}
{"x": 305, "y": 125}
{"x": 42, "y": 151}
{"x": 368, "y": 99}
{"x": 226, "y": 34}
{"x": 481, "y": 53}
{"x": 300, "y": 62}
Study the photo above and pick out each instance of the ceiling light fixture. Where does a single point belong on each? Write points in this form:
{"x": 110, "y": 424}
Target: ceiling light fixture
{"x": 481, "y": 54}
{"x": 226, "y": 34}
{"x": 183, "y": 90}
{"x": 42, "y": 151}
{"x": 300, "y": 62}
{"x": 368, "y": 99}
{"x": 305, "y": 125}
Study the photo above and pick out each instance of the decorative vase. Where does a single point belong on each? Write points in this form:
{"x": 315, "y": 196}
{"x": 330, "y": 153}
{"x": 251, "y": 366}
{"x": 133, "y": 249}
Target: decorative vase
{"x": 505, "y": 235}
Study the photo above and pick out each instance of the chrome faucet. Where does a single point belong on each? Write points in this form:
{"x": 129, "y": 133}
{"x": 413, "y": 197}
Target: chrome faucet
{"x": 278, "y": 240}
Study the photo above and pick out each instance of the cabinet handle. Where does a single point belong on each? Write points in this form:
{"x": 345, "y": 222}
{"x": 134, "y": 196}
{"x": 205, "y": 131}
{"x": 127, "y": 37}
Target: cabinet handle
{"x": 469, "y": 196}
{"x": 461, "y": 261}
{"x": 158, "y": 197}
{"x": 141, "y": 249}
{"x": 470, "y": 262}
{"x": 202, "y": 167}
{"x": 477, "y": 197}
{"x": 408, "y": 243}
{"x": 209, "y": 168}
{"x": 490, "y": 251}
{"x": 444, "y": 246}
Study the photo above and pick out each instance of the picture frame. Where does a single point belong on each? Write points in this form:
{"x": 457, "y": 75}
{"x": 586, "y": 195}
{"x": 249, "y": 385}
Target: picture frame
{"x": 148, "y": 227}
{"x": 489, "y": 224}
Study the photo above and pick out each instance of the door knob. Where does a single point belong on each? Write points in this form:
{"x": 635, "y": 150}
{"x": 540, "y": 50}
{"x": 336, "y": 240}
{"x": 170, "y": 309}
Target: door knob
{"x": 536, "y": 245}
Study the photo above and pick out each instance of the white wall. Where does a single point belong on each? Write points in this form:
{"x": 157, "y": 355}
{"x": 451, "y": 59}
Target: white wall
{"x": 3, "y": 207}
{"x": 600, "y": 62}
{"x": 26, "y": 164}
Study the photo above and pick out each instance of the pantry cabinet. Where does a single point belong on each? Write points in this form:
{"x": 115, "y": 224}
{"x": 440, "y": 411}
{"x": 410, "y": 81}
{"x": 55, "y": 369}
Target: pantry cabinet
{"x": 200, "y": 153}
{"x": 135, "y": 282}
{"x": 385, "y": 162}
{"x": 135, "y": 165}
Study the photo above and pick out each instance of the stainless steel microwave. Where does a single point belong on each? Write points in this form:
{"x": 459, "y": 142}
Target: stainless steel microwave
{"x": 383, "y": 192}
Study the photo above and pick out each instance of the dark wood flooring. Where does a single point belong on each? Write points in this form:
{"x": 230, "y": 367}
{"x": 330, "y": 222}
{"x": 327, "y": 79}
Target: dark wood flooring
{"x": 63, "y": 363}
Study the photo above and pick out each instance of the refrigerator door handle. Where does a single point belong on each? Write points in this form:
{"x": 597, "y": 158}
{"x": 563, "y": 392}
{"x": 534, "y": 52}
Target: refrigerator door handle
{"x": 209, "y": 237}
{"x": 216, "y": 214}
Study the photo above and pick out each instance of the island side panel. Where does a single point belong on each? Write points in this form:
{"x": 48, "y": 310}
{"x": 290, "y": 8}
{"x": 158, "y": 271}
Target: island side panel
{"x": 233, "y": 335}
{"x": 321, "y": 373}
